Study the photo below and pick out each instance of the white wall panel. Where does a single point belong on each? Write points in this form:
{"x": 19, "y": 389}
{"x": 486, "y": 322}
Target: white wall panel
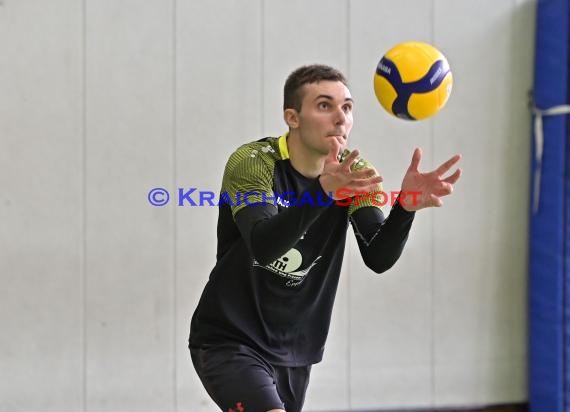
{"x": 390, "y": 314}
{"x": 522, "y": 56}
{"x": 480, "y": 240}
{"x": 218, "y": 95}
{"x": 41, "y": 359}
{"x": 130, "y": 264}
{"x": 101, "y": 101}
{"x": 295, "y": 33}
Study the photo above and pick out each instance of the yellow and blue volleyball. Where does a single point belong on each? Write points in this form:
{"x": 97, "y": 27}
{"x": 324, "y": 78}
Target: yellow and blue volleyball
{"x": 413, "y": 81}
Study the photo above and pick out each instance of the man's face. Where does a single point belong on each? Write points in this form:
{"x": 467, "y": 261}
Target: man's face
{"x": 326, "y": 114}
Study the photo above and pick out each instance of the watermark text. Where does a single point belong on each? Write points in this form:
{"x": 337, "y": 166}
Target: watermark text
{"x": 341, "y": 197}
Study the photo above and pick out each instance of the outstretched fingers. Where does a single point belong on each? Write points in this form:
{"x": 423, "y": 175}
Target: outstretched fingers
{"x": 363, "y": 174}
{"x": 365, "y": 180}
{"x": 454, "y": 177}
{"x": 334, "y": 152}
{"x": 444, "y": 168}
{"x": 416, "y": 159}
{"x": 443, "y": 189}
{"x": 349, "y": 160}
{"x": 369, "y": 184}
{"x": 436, "y": 201}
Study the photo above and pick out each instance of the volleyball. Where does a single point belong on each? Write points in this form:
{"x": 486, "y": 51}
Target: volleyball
{"x": 413, "y": 81}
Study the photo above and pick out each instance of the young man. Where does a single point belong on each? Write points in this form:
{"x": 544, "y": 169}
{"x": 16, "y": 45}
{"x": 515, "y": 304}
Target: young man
{"x": 264, "y": 315}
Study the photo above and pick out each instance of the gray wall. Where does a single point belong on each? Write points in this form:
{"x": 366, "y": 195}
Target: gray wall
{"x": 101, "y": 101}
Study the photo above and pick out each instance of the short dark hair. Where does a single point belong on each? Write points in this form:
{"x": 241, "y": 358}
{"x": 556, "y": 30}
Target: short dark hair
{"x": 314, "y": 73}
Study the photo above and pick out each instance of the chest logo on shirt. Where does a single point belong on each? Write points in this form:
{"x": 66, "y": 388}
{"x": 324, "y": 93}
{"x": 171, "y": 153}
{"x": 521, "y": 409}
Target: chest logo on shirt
{"x": 287, "y": 266}
{"x": 264, "y": 149}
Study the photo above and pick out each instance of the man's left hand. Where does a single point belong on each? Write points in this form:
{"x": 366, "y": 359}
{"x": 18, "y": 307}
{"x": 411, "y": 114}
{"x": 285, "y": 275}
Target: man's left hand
{"x": 428, "y": 188}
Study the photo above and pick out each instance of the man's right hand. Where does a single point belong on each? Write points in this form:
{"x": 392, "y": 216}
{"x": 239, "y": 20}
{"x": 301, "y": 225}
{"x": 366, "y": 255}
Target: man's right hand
{"x": 338, "y": 175}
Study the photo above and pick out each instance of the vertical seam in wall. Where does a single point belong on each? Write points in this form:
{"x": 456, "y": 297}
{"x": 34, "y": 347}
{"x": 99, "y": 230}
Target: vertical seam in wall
{"x": 348, "y": 289}
{"x": 432, "y": 247}
{"x": 262, "y": 66}
{"x": 512, "y": 95}
{"x": 83, "y": 223}
{"x": 174, "y": 215}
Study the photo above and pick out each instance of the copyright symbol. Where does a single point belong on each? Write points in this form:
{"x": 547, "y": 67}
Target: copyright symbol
{"x": 158, "y": 197}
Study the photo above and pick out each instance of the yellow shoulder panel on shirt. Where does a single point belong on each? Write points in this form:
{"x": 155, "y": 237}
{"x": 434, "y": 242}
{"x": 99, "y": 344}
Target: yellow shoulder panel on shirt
{"x": 283, "y": 149}
{"x": 248, "y": 175}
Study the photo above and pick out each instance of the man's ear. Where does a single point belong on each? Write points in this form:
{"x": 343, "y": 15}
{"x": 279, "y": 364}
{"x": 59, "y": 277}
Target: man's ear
{"x": 291, "y": 117}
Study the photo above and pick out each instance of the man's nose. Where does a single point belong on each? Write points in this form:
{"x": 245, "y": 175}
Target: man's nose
{"x": 340, "y": 116}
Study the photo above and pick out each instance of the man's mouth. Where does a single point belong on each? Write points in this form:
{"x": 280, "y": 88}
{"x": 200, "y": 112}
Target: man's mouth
{"x": 339, "y": 137}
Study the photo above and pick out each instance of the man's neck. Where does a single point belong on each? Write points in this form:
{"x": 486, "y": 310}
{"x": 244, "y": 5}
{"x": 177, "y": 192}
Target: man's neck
{"x": 308, "y": 163}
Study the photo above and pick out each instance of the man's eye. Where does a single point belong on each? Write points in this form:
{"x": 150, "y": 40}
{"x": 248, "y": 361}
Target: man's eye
{"x": 323, "y": 105}
{"x": 347, "y": 108}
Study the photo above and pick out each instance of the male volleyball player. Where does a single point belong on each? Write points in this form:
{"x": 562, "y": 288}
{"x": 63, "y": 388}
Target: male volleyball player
{"x": 264, "y": 314}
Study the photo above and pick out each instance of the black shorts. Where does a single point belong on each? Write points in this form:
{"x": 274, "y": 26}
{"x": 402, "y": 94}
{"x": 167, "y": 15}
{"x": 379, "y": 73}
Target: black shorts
{"x": 239, "y": 380}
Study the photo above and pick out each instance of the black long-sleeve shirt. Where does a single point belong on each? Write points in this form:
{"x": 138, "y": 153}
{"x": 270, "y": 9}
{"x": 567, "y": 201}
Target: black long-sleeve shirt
{"x": 279, "y": 261}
